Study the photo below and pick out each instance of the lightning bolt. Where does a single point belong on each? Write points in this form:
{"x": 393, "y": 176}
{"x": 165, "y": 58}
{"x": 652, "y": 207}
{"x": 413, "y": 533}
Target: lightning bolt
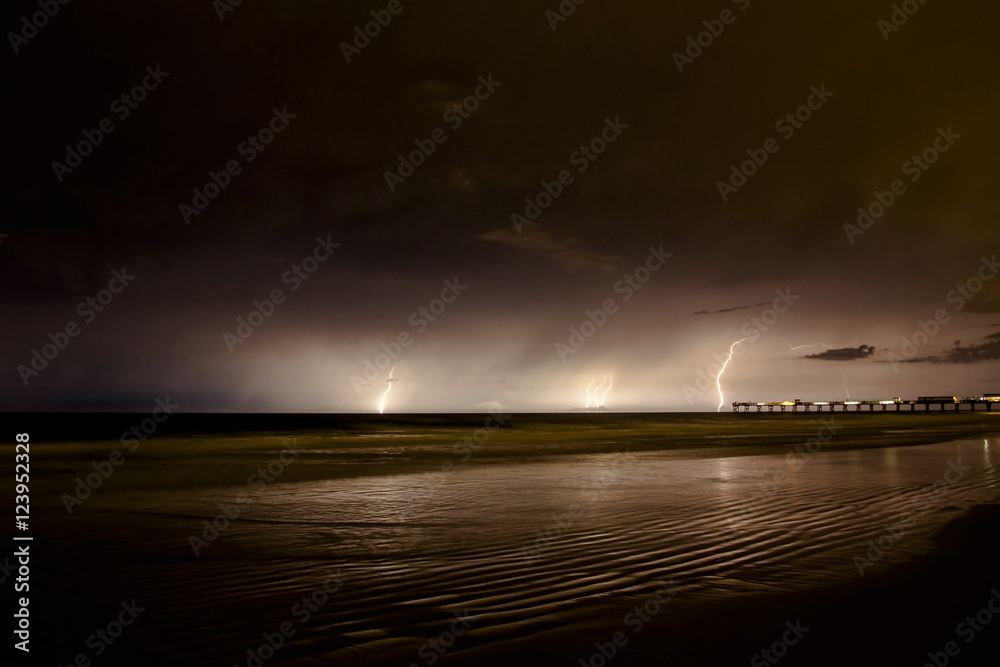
{"x": 718, "y": 378}
{"x": 845, "y": 386}
{"x": 604, "y": 378}
{"x": 799, "y": 347}
{"x": 610, "y": 384}
{"x": 588, "y": 390}
{"x": 381, "y": 403}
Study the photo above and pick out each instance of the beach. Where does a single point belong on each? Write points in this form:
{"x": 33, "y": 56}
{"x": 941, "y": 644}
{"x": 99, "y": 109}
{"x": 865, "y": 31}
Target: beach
{"x": 683, "y": 539}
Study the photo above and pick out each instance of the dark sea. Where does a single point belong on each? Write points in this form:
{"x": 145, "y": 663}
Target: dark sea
{"x": 570, "y": 539}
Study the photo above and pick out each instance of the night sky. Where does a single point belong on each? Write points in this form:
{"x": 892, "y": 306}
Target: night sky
{"x": 619, "y": 129}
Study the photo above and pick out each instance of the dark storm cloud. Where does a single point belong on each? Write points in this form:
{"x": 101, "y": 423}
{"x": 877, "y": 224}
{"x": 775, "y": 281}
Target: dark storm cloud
{"x": 974, "y": 354}
{"x": 729, "y": 310}
{"x": 970, "y": 354}
{"x": 325, "y": 175}
{"x": 566, "y": 251}
{"x": 844, "y": 353}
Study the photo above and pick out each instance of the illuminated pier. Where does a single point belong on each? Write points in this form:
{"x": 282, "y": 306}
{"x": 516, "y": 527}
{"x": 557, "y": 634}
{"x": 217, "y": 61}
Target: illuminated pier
{"x": 893, "y": 405}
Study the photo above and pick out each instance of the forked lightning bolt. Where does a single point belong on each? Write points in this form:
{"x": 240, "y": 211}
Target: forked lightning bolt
{"x": 381, "y": 404}
{"x": 597, "y": 402}
{"x": 718, "y": 378}
{"x": 595, "y": 398}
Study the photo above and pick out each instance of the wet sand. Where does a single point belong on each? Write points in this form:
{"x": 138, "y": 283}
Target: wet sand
{"x": 748, "y": 537}
{"x": 893, "y": 618}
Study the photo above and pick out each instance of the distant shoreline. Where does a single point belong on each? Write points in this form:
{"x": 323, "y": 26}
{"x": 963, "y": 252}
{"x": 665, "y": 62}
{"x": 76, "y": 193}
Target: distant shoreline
{"x": 339, "y": 447}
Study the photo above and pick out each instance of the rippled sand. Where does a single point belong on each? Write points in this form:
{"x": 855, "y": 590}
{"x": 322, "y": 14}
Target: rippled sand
{"x": 532, "y": 547}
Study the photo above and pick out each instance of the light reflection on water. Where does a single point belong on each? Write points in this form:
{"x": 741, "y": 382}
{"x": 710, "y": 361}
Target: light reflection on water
{"x": 594, "y": 525}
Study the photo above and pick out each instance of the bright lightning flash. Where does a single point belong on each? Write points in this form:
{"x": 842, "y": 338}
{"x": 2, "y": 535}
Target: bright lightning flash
{"x": 588, "y": 391}
{"x": 610, "y": 383}
{"x": 390, "y": 380}
{"x": 799, "y": 347}
{"x": 718, "y": 378}
{"x": 597, "y": 402}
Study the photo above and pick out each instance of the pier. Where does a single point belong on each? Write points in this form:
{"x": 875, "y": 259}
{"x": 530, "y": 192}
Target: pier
{"x": 887, "y": 405}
